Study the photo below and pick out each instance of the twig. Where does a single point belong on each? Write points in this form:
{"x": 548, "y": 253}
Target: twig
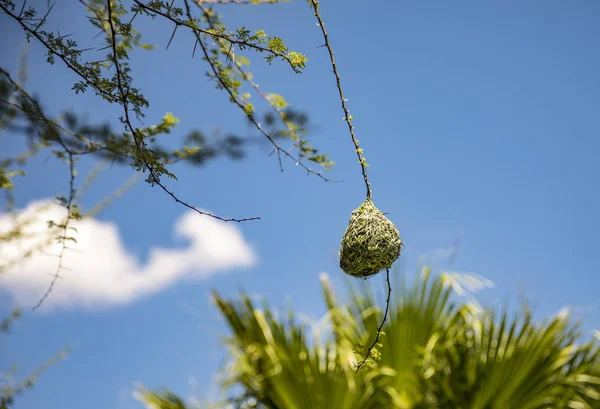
{"x": 70, "y": 201}
{"x": 65, "y": 229}
{"x": 62, "y": 56}
{"x": 43, "y": 20}
{"x": 348, "y": 117}
{"x": 387, "y": 306}
{"x": 69, "y": 205}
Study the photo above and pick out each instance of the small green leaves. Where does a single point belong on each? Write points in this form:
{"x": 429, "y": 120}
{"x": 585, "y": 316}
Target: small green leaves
{"x": 187, "y": 151}
{"x": 5, "y": 178}
{"x": 243, "y": 33}
{"x": 297, "y": 60}
{"x": 277, "y": 45}
{"x": 260, "y": 35}
{"x": 169, "y": 120}
{"x": 375, "y": 354}
{"x": 248, "y": 109}
{"x": 277, "y": 100}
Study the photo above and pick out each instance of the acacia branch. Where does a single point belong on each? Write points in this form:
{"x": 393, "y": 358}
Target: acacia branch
{"x": 224, "y": 37}
{"x": 75, "y": 67}
{"x": 239, "y": 103}
{"x": 139, "y": 143}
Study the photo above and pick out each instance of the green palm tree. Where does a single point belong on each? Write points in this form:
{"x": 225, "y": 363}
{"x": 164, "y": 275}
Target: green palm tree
{"x": 437, "y": 351}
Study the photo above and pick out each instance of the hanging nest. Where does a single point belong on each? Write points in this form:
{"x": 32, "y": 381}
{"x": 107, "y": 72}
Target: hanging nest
{"x": 370, "y": 244}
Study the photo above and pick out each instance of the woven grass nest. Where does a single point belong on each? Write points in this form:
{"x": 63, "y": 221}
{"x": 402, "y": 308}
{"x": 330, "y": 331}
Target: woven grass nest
{"x": 370, "y": 244}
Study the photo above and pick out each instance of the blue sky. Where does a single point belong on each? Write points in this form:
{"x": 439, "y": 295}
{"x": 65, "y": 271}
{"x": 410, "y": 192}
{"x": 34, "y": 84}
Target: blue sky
{"x": 476, "y": 117}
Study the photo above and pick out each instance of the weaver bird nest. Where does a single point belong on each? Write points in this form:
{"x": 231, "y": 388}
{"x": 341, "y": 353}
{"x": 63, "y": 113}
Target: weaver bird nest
{"x": 370, "y": 244}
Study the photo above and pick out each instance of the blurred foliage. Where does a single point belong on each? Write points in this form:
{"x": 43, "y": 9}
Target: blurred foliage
{"x": 439, "y": 351}
{"x": 22, "y": 114}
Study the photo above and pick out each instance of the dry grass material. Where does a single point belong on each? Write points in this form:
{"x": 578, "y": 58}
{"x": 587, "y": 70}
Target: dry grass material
{"x": 370, "y": 244}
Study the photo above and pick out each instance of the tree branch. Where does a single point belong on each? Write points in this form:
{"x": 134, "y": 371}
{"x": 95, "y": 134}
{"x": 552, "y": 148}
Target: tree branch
{"x": 74, "y": 67}
{"x": 138, "y": 141}
{"x": 239, "y": 103}
{"x": 224, "y": 37}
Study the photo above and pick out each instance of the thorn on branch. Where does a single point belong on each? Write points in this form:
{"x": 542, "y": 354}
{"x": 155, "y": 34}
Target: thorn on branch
{"x": 194, "y": 50}
{"x": 43, "y": 20}
{"x": 172, "y": 35}
{"x": 22, "y": 9}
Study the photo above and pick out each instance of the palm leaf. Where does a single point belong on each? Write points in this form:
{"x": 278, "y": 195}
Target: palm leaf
{"x": 438, "y": 352}
{"x": 275, "y": 363}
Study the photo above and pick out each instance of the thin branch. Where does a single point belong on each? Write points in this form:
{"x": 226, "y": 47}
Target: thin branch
{"x": 172, "y": 36}
{"x": 69, "y": 205}
{"x": 62, "y": 56}
{"x": 254, "y": 85}
{"x": 65, "y": 228}
{"x": 236, "y": 100}
{"x": 138, "y": 142}
{"x": 43, "y": 20}
{"x": 274, "y": 108}
{"x": 193, "y": 27}
{"x": 387, "y": 306}
{"x": 348, "y": 117}
{"x": 23, "y": 8}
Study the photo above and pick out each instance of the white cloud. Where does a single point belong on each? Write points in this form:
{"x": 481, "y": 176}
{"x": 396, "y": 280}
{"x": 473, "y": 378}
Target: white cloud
{"x": 100, "y": 271}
